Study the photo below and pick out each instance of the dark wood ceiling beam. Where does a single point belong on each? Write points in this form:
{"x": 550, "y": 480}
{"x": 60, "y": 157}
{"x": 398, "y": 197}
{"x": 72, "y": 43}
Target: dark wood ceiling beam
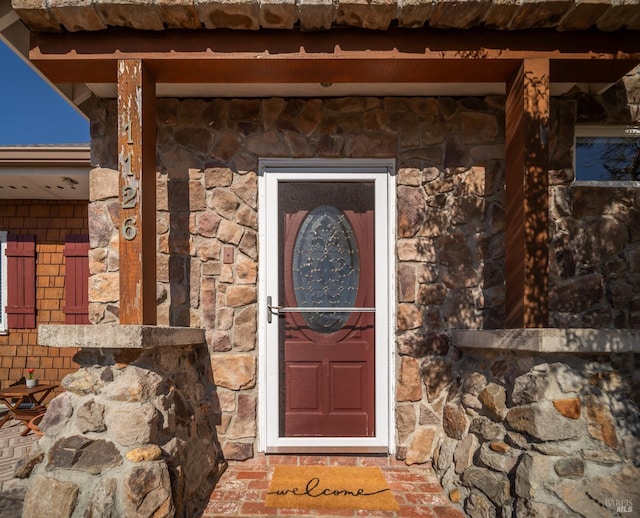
{"x": 337, "y": 56}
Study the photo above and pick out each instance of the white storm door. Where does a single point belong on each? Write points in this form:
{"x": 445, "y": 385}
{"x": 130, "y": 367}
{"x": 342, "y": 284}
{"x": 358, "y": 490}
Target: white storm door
{"x": 296, "y": 196}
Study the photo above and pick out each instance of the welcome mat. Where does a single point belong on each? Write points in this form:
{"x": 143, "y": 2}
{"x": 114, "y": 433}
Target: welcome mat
{"x": 335, "y": 487}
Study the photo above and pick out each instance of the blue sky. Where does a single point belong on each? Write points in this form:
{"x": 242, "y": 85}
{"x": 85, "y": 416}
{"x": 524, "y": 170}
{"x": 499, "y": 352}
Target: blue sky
{"x": 31, "y": 111}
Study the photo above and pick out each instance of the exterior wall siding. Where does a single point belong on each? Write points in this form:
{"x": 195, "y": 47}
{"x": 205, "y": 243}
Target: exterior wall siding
{"x": 49, "y": 222}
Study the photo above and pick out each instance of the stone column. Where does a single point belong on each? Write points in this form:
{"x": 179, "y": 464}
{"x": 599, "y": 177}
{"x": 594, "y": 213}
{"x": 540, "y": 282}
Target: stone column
{"x": 134, "y": 432}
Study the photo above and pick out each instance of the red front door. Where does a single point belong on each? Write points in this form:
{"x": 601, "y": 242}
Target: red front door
{"x": 327, "y": 360}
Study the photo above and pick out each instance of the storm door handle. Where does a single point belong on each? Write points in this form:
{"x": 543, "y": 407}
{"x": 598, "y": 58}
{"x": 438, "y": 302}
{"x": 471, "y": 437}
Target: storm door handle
{"x": 322, "y": 309}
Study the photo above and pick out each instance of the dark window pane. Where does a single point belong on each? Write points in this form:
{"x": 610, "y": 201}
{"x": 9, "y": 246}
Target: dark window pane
{"x": 608, "y": 158}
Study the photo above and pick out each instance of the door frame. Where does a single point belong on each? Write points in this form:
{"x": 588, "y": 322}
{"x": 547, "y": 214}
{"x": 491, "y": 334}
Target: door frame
{"x": 382, "y": 173}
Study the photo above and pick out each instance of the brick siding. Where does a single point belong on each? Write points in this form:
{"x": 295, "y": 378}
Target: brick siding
{"x": 50, "y": 221}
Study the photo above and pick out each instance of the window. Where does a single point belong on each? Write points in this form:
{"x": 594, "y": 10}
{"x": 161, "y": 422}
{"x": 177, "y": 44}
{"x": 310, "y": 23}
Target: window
{"x": 607, "y": 153}
{"x": 3, "y": 281}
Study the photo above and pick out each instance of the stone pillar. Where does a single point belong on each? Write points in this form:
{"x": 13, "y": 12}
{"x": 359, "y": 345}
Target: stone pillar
{"x": 134, "y": 432}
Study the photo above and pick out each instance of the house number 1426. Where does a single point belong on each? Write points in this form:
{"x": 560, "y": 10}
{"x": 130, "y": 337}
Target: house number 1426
{"x": 129, "y": 193}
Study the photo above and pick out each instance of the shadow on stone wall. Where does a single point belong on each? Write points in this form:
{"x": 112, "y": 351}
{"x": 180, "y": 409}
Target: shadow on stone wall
{"x": 539, "y": 436}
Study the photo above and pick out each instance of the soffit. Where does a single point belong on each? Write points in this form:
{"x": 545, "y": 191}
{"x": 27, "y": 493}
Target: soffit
{"x": 44, "y": 172}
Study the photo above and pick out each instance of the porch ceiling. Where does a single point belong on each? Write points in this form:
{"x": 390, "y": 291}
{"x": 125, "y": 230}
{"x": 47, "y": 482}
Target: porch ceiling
{"x": 339, "y": 62}
{"x": 323, "y": 47}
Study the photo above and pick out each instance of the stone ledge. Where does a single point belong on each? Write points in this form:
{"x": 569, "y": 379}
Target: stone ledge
{"x": 114, "y": 336}
{"x": 550, "y": 340}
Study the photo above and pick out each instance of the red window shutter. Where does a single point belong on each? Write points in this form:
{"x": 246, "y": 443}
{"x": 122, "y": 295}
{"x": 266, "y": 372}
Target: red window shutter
{"x": 76, "y": 253}
{"x": 21, "y": 281}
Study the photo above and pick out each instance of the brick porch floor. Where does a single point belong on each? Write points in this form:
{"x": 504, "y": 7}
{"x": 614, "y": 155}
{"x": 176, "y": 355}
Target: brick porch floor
{"x": 243, "y": 487}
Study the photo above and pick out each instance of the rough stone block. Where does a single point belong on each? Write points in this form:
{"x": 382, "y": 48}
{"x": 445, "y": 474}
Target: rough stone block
{"x": 572, "y": 467}
{"x": 583, "y": 16}
{"x": 237, "y": 450}
{"x": 474, "y": 383}
{"x": 493, "y": 398}
{"x": 317, "y": 15}
{"x": 600, "y": 422}
{"x": 411, "y": 210}
{"x": 148, "y": 491}
{"x": 487, "y": 429}
{"x": 234, "y": 371}
{"x": 617, "y": 16}
{"x": 178, "y": 14}
{"x": 409, "y": 386}
{"x": 466, "y": 449}
{"x": 533, "y": 473}
{"x": 131, "y": 424}
{"x": 278, "y": 14}
{"x": 406, "y": 278}
{"x": 58, "y": 413}
{"x": 437, "y": 373}
{"x": 36, "y": 15}
{"x": 419, "y": 451}
{"x": 503, "y": 461}
{"x": 405, "y": 421}
{"x": 28, "y": 462}
{"x": 77, "y": 15}
{"x": 529, "y": 388}
{"x": 495, "y": 485}
{"x": 134, "y": 384}
{"x": 141, "y": 15}
{"x": 144, "y": 453}
{"x": 535, "y": 14}
{"x": 97, "y": 456}
{"x": 413, "y": 13}
{"x": 454, "y": 421}
{"x": 479, "y": 506}
{"x": 458, "y": 14}
{"x": 216, "y": 14}
{"x": 542, "y": 421}
{"x": 47, "y": 494}
{"x": 103, "y": 501}
{"x": 375, "y": 14}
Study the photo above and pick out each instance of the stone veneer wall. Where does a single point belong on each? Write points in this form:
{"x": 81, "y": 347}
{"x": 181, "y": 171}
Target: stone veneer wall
{"x": 132, "y": 435}
{"x": 450, "y": 230}
{"x": 450, "y": 213}
{"x": 595, "y": 247}
{"x": 541, "y": 435}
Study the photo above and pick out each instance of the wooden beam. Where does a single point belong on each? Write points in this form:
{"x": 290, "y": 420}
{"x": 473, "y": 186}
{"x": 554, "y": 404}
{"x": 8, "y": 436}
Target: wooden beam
{"x": 136, "y": 158}
{"x": 335, "y": 56}
{"x": 527, "y": 206}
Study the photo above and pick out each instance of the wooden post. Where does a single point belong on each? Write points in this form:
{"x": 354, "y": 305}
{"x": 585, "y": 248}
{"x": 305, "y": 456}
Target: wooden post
{"x": 527, "y": 204}
{"x": 136, "y": 159}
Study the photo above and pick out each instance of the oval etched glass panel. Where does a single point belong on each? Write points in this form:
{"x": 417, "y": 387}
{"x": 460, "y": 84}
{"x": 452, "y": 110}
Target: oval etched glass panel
{"x": 326, "y": 267}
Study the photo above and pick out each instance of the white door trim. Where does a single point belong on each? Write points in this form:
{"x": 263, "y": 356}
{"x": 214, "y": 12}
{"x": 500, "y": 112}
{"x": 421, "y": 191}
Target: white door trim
{"x": 381, "y": 172}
